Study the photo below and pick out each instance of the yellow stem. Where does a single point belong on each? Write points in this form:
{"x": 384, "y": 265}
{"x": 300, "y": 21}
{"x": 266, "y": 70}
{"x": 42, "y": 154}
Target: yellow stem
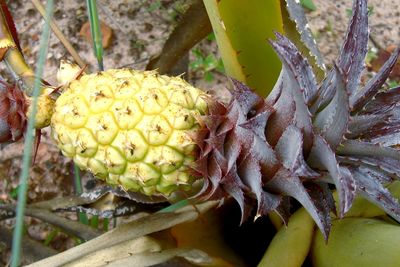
{"x": 17, "y": 63}
{"x": 13, "y": 57}
{"x": 291, "y": 244}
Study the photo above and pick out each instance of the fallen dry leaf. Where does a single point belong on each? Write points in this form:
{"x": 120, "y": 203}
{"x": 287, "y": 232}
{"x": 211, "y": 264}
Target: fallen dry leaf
{"x": 106, "y": 33}
{"x": 143, "y": 226}
{"x": 207, "y": 237}
{"x": 382, "y": 56}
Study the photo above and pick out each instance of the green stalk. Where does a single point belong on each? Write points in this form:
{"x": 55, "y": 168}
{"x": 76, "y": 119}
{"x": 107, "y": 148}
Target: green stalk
{"x": 94, "y": 221}
{"x": 95, "y": 32}
{"x": 98, "y": 52}
{"x": 106, "y": 224}
{"x": 79, "y": 190}
{"x": 175, "y": 206}
{"x": 27, "y": 158}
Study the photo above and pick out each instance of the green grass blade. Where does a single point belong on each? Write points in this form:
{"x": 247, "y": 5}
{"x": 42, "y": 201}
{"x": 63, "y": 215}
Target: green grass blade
{"x": 27, "y": 158}
{"x": 95, "y": 32}
{"x": 50, "y": 237}
{"x": 79, "y": 190}
{"x": 176, "y": 206}
{"x": 106, "y": 224}
{"x": 94, "y": 221}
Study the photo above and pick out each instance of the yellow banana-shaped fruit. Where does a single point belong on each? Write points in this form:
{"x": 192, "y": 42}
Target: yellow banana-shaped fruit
{"x": 356, "y": 242}
{"x": 291, "y": 244}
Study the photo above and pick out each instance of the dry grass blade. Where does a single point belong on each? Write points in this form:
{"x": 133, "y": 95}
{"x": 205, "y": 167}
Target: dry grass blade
{"x": 120, "y": 251}
{"x": 63, "y": 202}
{"x": 71, "y": 227}
{"x": 60, "y": 35}
{"x": 140, "y": 227}
{"x": 154, "y": 258}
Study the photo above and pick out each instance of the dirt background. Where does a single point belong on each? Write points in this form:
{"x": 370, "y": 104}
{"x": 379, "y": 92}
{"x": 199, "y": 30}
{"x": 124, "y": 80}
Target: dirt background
{"x": 139, "y": 30}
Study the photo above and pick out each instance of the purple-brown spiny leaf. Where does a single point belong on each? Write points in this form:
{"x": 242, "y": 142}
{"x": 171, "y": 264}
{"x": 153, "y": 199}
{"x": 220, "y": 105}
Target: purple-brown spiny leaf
{"x": 304, "y": 137}
{"x": 13, "y": 107}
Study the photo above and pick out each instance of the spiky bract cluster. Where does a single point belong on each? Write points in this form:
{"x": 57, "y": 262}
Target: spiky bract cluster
{"x": 13, "y": 107}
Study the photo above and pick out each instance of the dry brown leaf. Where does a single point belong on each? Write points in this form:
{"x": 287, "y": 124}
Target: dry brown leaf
{"x": 120, "y": 251}
{"x": 194, "y": 256}
{"x": 382, "y": 56}
{"x": 32, "y": 250}
{"x": 140, "y": 227}
{"x": 207, "y": 237}
{"x": 106, "y": 33}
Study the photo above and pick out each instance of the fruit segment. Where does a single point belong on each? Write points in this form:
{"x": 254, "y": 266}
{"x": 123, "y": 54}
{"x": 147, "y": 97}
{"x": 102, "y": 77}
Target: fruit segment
{"x": 131, "y": 128}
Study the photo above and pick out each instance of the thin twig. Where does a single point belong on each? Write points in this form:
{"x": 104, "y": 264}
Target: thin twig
{"x": 32, "y": 249}
{"x": 193, "y": 27}
{"x": 60, "y": 35}
{"x": 110, "y": 15}
{"x": 71, "y": 227}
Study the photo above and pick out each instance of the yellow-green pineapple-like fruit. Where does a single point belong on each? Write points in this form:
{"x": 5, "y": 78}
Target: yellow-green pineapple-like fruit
{"x": 131, "y": 128}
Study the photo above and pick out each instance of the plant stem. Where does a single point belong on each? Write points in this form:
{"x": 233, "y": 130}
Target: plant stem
{"x": 94, "y": 221}
{"x": 79, "y": 190}
{"x": 13, "y": 58}
{"x": 95, "y": 32}
{"x": 27, "y": 158}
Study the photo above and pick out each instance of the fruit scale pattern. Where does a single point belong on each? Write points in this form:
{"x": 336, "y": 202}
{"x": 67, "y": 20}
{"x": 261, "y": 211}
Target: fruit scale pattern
{"x": 130, "y": 128}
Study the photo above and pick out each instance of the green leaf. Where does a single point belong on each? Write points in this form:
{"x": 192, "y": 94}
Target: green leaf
{"x": 208, "y": 76}
{"x": 14, "y": 192}
{"x": 393, "y": 83}
{"x": 220, "y": 66}
{"x": 309, "y": 4}
{"x": 242, "y": 29}
{"x": 154, "y": 6}
{"x": 210, "y": 62}
{"x": 197, "y": 64}
{"x": 211, "y": 37}
{"x": 50, "y": 237}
